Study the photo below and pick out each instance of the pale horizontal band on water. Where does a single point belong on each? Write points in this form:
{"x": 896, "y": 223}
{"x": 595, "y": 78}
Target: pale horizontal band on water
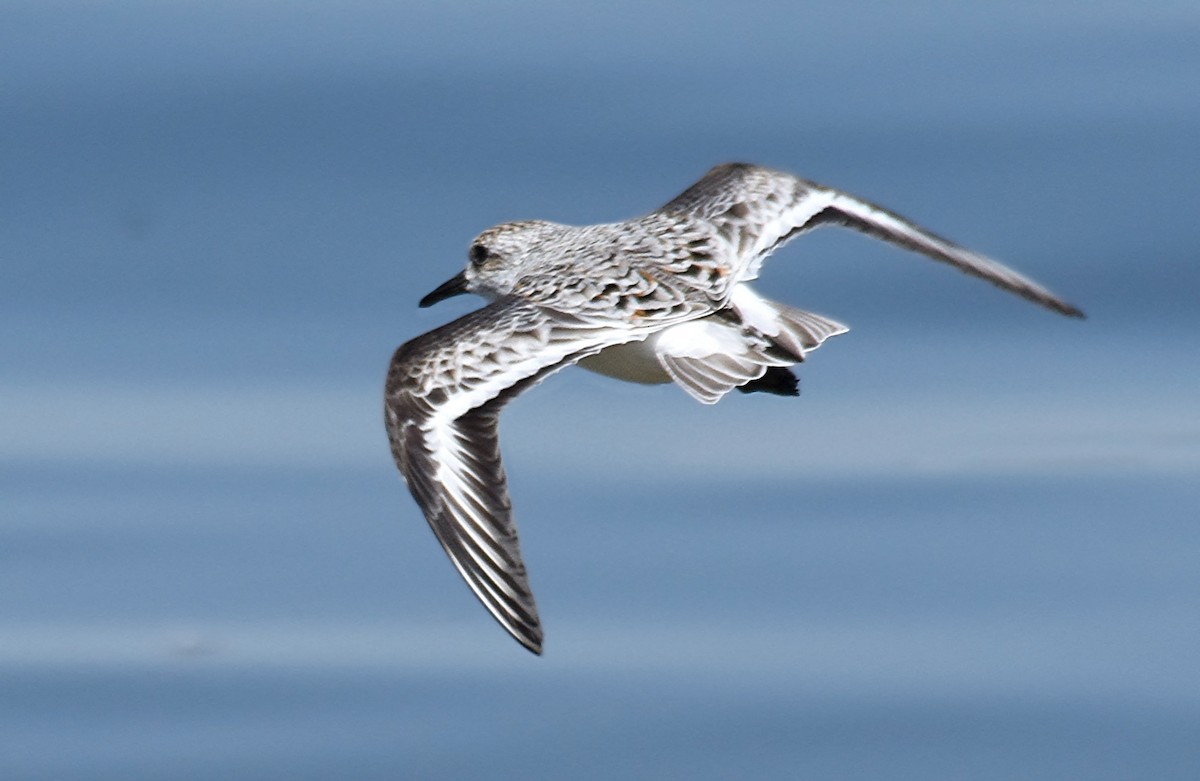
{"x": 1067, "y": 652}
{"x": 303, "y": 427}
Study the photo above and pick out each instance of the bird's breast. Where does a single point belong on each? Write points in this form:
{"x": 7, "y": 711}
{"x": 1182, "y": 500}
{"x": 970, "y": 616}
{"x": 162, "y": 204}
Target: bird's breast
{"x": 632, "y": 362}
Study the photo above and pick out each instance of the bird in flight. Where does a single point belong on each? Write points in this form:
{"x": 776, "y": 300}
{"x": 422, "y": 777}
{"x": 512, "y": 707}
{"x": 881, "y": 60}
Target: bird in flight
{"x": 660, "y": 298}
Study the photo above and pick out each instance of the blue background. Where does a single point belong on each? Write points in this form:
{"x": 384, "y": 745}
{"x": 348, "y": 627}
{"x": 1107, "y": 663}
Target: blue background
{"x": 970, "y": 550}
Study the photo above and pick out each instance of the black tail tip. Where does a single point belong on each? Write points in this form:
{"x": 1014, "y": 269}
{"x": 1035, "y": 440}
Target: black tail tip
{"x": 779, "y": 380}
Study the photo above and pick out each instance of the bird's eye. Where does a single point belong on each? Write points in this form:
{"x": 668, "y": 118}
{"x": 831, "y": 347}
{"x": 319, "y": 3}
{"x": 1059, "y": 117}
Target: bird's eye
{"x": 479, "y": 254}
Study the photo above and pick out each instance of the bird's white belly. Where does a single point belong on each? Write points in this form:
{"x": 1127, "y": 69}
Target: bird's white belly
{"x": 641, "y": 361}
{"x": 632, "y": 362}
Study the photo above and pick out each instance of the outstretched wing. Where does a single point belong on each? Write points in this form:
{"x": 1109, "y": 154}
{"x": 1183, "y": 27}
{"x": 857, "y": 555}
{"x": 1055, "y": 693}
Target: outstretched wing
{"x": 756, "y": 210}
{"x": 443, "y": 397}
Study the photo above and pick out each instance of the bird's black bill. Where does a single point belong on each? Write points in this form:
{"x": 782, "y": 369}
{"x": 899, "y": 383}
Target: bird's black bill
{"x": 454, "y": 286}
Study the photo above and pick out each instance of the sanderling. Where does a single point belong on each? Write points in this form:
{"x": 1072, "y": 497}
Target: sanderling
{"x": 660, "y": 298}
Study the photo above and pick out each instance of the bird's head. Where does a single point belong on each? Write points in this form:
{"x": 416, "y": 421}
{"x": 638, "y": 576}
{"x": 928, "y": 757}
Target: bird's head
{"x": 496, "y": 260}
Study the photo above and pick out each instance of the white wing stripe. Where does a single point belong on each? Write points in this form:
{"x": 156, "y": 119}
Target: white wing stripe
{"x": 444, "y": 391}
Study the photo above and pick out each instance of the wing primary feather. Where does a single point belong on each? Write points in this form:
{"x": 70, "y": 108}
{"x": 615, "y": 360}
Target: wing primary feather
{"x": 879, "y": 223}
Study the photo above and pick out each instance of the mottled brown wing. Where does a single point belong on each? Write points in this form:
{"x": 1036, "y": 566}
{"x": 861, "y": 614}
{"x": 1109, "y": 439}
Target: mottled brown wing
{"x": 756, "y": 210}
{"x": 444, "y": 393}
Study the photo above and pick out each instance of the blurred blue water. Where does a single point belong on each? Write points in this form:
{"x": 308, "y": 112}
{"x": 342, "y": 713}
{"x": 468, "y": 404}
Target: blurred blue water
{"x": 969, "y": 550}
